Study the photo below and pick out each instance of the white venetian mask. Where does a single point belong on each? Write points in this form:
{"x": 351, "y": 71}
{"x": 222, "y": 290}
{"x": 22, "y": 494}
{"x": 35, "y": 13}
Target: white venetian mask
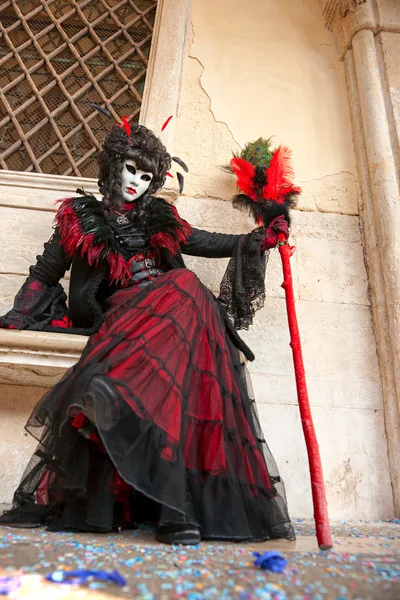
{"x": 134, "y": 181}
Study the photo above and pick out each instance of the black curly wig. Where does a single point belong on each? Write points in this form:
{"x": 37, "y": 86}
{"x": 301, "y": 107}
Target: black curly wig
{"x": 144, "y": 148}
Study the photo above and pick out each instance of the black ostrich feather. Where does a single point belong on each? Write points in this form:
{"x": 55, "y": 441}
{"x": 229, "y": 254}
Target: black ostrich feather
{"x": 181, "y": 181}
{"x": 101, "y": 109}
{"x": 92, "y": 220}
{"x": 263, "y": 210}
{"x": 181, "y": 163}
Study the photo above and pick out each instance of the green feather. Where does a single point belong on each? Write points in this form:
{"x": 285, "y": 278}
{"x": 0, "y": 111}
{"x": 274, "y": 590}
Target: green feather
{"x": 258, "y": 153}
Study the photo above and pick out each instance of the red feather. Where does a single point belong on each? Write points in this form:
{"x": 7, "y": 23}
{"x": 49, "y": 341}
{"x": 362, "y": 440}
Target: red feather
{"x": 279, "y": 177}
{"x": 69, "y": 226}
{"x": 164, "y": 240}
{"x": 120, "y": 269}
{"x": 127, "y": 126}
{"x": 245, "y": 173}
{"x": 74, "y": 240}
{"x": 171, "y": 242}
{"x": 166, "y": 123}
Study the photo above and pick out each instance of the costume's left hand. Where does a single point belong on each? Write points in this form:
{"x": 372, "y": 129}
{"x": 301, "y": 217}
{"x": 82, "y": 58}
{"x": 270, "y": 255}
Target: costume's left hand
{"x": 277, "y": 226}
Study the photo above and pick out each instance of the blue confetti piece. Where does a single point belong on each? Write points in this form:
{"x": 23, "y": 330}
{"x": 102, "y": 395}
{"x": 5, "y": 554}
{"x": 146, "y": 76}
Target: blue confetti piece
{"x": 81, "y": 576}
{"x": 270, "y": 561}
{"x": 9, "y": 584}
{"x": 130, "y": 562}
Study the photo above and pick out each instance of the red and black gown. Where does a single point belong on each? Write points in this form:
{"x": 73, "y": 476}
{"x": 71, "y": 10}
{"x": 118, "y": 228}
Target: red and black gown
{"x": 155, "y": 423}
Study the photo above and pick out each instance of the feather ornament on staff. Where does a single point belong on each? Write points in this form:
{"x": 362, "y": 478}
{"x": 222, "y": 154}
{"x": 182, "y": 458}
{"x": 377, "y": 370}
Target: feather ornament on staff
{"x": 264, "y": 177}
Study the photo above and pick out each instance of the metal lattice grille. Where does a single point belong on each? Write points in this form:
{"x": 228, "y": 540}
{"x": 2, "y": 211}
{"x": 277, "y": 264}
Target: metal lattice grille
{"x": 56, "y": 56}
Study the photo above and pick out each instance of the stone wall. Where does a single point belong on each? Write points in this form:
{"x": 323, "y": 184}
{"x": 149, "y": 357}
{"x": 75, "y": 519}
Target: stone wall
{"x": 339, "y": 353}
{"x": 365, "y": 33}
{"x": 273, "y": 70}
{"x": 270, "y": 70}
{"x": 390, "y": 46}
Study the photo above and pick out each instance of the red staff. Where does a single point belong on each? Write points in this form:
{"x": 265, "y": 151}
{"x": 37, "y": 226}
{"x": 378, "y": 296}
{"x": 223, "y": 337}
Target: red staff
{"x": 265, "y": 178}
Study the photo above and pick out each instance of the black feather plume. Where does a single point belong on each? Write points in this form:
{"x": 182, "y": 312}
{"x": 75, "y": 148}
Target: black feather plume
{"x": 263, "y": 210}
{"x": 100, "y": 109}
{"x": 180, "y": 163}
{"x": 181, "y": 180}
{"x": 227, "y": 169}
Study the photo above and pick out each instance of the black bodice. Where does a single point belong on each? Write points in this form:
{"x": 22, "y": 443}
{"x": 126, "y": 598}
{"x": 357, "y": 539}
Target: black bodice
{"x": 136, "y": 246}
{"x": 131, "y": 238}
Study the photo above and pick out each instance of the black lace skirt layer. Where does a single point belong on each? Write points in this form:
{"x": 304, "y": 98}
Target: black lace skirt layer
{"x": 154, "y": 423}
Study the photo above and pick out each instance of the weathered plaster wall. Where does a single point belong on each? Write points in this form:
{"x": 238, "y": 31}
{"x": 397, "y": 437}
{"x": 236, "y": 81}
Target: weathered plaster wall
{"x": 268, "y": 70}
{"x": 272, "y": 70}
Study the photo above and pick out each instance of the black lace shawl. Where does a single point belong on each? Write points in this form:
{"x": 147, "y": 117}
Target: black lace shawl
{"x": 242, "y": 290}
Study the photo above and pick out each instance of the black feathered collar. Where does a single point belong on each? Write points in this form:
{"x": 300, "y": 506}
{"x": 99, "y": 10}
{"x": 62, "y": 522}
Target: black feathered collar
{"x": 84, "y": 228}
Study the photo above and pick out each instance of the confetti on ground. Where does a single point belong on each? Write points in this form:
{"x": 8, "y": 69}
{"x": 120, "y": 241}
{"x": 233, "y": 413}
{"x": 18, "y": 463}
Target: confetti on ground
{"x": 73, "y": 577}
{"x": 9, "y": 584}
{"x": 270, "y": 561}
{"x": 364, "y": 565}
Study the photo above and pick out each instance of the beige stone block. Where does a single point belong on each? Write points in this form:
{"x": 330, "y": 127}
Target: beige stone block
{"x": 211, "y": 271}
{"x": 39, "y": 374}
{"x": 40, "y": 190}
{"x": 214, "y": 215}
{"x": 333, "y": 193}
{"x": 16, "y": 445}
{"x": 337, "y": 340}
{"x": 37, "y": 358}
{"x": 331, "y": 271}
{"x": 31, "y": 198}
{"x": 395, "y": 96}
{"x": 219, "y": 215}
{"x": 341, "y": 228}
{"x": 332, "y": 393}
{"x": 355, "y": 466}
{"x": 23, "y": 233}
{"x": 389, "y": 14}
{"x": 268, "y": 337}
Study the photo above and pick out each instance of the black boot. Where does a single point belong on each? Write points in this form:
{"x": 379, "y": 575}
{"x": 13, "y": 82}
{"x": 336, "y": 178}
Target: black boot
{"x": 187, "y": 535}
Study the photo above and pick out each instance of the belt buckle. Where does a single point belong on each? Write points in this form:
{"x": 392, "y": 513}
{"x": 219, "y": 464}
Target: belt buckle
{"x": 148, "y": 263}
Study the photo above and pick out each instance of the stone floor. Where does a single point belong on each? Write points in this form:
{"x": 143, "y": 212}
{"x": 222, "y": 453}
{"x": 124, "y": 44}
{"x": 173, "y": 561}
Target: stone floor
{"x": 363, "y": 565}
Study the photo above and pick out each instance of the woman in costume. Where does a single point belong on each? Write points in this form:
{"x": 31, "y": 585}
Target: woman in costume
{"x": 156, "y": 422}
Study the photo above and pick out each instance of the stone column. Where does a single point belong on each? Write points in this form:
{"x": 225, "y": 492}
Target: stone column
{"x": 161, "y": 95}
{"x": 358, "y": 27}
